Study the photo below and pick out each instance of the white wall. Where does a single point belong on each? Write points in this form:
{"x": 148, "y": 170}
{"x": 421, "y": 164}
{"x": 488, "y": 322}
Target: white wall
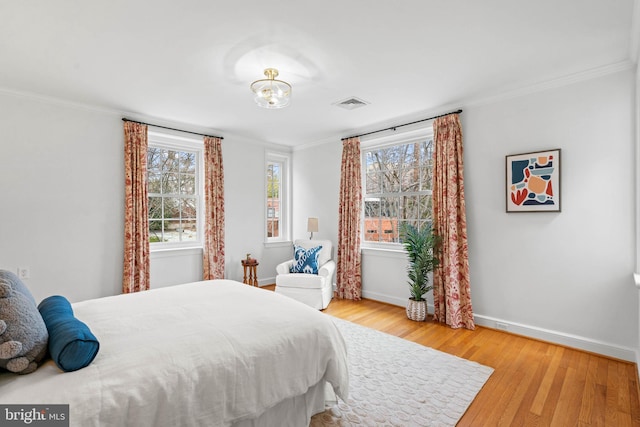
{"x": 563, "y": 277}
{"x": 61, "y": 208}
{"x": 316, "y": 180}
{"x": 567, "y": 272}
{"x": 245, "y": 210}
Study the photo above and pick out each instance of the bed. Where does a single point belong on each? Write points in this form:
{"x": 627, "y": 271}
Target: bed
{"x": 210, "y": 353}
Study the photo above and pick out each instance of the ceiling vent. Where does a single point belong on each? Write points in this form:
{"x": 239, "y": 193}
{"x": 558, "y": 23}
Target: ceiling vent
{"x": 351, "y": 103}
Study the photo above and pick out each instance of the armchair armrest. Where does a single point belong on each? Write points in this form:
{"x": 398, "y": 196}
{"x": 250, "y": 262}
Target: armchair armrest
{"x": 284, "y": 267}
{"x": 327, "y": 269}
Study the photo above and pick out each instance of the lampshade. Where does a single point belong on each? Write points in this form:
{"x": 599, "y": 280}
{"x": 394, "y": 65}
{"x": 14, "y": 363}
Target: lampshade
{"x": 312, "y": 225}
{"x": 271, "y": 93}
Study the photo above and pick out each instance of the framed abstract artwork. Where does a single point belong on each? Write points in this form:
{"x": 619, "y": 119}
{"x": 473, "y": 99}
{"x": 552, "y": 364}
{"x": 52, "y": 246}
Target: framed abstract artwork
{"x": 533, "y": 182}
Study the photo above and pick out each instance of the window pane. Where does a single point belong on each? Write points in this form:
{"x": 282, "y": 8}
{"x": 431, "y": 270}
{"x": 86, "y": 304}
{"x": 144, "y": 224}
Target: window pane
{"x": 389, "y": 181}
{"x": 155, "y": 231}
{"x": 389, "y": 219}
{"x": 172, "y": 230}
{"x": 425, "y": 178}
{"x": 155, "y": 208}
{"x": 426, "y": 208}
{"x": 410, "y": 154}
{"x": 188, "y": 208}
{"x": 189, "y": 231}
{"x": 187, "y": 162}
{"x": 154, "y": 159}
{"x": 171, "y": 184}
{"x": 273, "y": 181}
{"x": 170, "y": 163}
{"x": 154, "y": 182}
{"x": 401, "y": 225}
{"x": 389, "y": 207}
{"x": 410, "y": 207}
{"x": 372, "y": 229}
{"x": 187, "y": 184}
{"x": 372, "y": 207}
{"x": 171, "y": 207}
{"x": 273, "y": 227}
{"x": 373, "y": 183}
{"x": 410, "y": 179}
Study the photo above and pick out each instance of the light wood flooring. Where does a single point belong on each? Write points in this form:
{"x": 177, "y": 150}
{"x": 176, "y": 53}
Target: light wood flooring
{"x": 534, "y": 383}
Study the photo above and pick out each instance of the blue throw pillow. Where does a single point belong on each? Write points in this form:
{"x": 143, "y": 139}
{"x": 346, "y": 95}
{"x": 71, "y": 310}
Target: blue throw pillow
{"x": 71, "y": 344}
{"x": 305, "y": 260}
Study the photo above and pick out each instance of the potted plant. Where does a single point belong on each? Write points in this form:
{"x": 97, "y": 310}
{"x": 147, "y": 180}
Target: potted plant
{"x": 420, "y": 244}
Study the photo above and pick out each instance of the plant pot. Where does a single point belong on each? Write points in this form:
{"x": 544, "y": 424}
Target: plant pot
{"x": 417, "y": 310}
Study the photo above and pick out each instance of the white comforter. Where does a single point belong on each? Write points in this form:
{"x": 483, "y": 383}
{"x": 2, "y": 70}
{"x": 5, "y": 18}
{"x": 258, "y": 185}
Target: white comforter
{"x": 200, "y": 354}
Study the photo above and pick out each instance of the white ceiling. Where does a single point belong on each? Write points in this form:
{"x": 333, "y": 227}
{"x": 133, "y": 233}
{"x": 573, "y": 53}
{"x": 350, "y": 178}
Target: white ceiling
{"x": 191, "y": 61}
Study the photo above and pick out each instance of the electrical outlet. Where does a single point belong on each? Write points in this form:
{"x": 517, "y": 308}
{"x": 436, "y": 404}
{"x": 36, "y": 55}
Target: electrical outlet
{"x": 24, "y": 273}
{"x": 501, "y": 326}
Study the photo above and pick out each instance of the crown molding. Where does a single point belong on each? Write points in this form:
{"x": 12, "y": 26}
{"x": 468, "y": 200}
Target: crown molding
{"x": 535, "y": 87}
{"x": 488, "y": 98}
{"x": 45, "y": 99}
{"x": 108, "y": 111}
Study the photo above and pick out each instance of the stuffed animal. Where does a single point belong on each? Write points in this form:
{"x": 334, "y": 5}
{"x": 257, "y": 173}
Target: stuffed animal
{"x": 23, "y": 334}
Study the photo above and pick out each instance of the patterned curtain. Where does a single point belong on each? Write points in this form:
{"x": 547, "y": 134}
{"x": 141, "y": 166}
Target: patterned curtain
{"x": 213, "y": 254}
{"x": 349, "y": 282}
{"x": 135, "y": 276}
{"x": 451, "y": 292}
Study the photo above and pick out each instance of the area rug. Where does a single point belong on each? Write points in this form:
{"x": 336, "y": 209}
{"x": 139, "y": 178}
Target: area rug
{"x": 395, "y": 382}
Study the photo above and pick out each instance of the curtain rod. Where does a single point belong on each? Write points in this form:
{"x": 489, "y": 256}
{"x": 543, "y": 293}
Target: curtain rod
{"x": 406, "y": 124}
{"x": 124, "y": 119}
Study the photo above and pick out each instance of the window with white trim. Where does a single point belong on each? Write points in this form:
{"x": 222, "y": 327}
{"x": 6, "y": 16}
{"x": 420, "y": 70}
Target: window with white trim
{"x": 174, "y": 168}
{"x": 397, "y": 187}
{"x": 277, "y": 199}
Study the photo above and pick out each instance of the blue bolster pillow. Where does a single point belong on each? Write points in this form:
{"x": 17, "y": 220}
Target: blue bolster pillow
{"x": 71, "y": 344}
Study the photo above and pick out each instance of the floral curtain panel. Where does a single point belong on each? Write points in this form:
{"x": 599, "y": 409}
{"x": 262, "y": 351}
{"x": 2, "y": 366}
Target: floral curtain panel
{"x": 213, "y": 253}
{"x": 349, "y": 280}
{"x": 135, "y": 276}
{"x": 451, "y": 292}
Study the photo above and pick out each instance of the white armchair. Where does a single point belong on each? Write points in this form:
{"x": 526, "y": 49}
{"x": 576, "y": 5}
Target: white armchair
{"x": 315, "y": 290}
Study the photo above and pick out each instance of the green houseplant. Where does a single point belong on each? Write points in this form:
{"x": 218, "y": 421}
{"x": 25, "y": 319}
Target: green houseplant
{"x": 421, "y": 245}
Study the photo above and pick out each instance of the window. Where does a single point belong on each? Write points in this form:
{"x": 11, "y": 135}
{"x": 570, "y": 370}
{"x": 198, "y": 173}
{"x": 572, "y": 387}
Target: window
{"x": 174, "y": 190}
{"x": 277, "y": 169}
{"x": 397, "y": 187}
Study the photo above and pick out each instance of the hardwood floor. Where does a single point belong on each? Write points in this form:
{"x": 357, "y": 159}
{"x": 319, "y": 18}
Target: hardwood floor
{"x": 534, "y": 383}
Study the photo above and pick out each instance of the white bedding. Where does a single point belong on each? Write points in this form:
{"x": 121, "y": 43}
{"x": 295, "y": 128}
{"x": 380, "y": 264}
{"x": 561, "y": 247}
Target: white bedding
{"x": 211, "y": 353}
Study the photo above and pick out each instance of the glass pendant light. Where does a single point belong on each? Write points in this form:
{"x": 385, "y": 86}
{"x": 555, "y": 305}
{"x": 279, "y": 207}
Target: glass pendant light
{"x": 271, "y": 93}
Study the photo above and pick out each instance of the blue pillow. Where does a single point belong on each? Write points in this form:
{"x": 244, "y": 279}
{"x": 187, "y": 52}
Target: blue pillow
{"x": 71, "y": 344}
{"x": 305, "y": 260}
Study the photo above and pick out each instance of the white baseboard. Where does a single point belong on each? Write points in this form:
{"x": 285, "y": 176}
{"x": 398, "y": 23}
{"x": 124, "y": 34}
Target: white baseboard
{"x": 556, "y": 337}
{"x": 401, "y": 302}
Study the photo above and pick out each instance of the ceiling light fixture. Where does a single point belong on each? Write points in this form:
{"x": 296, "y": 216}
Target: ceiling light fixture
{"x": 271, "y": 93}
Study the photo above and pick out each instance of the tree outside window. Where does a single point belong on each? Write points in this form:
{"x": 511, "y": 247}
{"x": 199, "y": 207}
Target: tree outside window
{"x": 173, "y": 197}
{"x": 274, "y": 192}
{"x": 397, "y": 189}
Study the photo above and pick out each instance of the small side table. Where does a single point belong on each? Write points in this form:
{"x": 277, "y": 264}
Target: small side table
{"x": 250, "y": 266}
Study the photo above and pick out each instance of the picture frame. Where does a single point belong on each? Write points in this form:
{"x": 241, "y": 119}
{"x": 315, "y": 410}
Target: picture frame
{"x": 533, "y": 181}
